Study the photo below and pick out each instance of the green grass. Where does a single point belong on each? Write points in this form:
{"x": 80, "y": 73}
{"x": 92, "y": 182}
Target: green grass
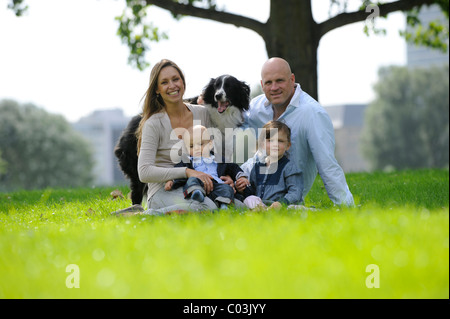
{"x": 400, "y": 224}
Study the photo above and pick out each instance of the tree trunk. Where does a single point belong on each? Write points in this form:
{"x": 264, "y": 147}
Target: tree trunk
{"x": 291, "y": 33}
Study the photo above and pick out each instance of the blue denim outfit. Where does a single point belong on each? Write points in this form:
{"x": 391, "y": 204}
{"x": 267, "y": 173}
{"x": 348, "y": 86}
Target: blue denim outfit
{"x": 221, "y": 193}
{"x": 284, "y": 185}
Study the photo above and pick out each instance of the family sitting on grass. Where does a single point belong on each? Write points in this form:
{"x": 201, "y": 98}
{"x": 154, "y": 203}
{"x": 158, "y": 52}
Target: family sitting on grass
{"x": 296, "y": 143}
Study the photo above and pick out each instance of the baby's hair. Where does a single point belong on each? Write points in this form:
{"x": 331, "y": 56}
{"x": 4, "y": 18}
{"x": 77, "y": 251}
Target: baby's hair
{"x": 268, "y": 130}
{"x": 198, "y": 131}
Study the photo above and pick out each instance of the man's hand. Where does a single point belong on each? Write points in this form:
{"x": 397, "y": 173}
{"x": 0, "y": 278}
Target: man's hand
{"x": 228, "y": 180}
{"x": 241, "y": 184}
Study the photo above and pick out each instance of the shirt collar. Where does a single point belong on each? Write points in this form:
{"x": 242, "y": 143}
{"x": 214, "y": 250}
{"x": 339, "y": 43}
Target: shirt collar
{"x": 199, "y": 160}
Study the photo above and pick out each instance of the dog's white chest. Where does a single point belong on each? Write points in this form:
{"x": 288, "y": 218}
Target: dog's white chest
{"x": 229, "y": 146}
{"x": 231, "y": 118}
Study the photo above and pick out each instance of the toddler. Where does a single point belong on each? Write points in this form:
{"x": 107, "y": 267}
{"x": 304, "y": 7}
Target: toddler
{"x": 274, "y": 179}
{"x": 200, "y": 145}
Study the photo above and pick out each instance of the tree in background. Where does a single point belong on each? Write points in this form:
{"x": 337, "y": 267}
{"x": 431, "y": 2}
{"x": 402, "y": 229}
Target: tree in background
{"x": 41, "y": 150}
{"x": 290, "y": 32}
{"x": 407, "y": 126}
{"x": 2, "y": 164}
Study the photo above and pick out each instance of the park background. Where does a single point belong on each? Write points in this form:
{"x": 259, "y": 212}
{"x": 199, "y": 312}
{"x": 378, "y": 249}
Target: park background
{"x": 58, "y": 58}
{"x": 65, "y": 58}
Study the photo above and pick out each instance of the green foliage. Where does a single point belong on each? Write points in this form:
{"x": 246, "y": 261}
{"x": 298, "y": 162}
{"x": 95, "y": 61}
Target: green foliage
{"x": 41, "y": 150}
{"x": 137, "y": 32}
{"x": 434, "y": 35}
{"x": 407, "y": 126}
{"x": 18, "y": 6}
{"x": 231, "y": 254}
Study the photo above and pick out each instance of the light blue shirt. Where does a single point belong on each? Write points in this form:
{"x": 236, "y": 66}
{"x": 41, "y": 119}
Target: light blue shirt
{"x": 312, "y": 139}
{"x": 206, "y": 165}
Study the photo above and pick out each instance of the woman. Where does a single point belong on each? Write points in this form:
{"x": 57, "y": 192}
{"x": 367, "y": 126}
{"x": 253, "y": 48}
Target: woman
{"x": 165, "y": 118}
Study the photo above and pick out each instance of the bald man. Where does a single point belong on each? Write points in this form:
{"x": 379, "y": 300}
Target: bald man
{"x": 312, "y": 133}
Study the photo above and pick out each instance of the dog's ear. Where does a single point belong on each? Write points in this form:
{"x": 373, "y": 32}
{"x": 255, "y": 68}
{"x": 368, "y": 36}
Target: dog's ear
{"x": 245, "y": 95}
{"x": 208, "y": 92}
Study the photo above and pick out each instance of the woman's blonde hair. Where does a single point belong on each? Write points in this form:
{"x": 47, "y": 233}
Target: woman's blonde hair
{"x": 153, "y": 102}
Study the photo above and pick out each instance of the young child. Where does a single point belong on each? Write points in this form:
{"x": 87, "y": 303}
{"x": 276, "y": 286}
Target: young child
{"x": 274, "y": 179}
{"x": 198, "y": 141}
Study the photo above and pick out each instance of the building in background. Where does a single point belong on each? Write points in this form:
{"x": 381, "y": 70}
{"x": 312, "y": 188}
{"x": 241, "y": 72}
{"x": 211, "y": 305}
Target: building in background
{"x": 420, "y": 56}
{"x": 102, "y": 129}
{"x": 348, "y": 122}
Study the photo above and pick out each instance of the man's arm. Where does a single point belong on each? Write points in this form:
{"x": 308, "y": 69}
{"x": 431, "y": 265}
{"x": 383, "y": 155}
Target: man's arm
{"x": 322, "y": 143}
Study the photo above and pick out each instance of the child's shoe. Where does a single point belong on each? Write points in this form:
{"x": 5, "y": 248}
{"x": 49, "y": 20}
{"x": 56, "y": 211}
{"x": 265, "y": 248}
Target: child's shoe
{"x": 223, "y": 206}
{"x": 198, "y": 195}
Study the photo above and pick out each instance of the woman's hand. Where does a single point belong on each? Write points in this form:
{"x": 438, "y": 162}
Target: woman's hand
{"x": 229, "y": 181}
{"x": 205, "y": 178}
{"x": 168, "y": 185}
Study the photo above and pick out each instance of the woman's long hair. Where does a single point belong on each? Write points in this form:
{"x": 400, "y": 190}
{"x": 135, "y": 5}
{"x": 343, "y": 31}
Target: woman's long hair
{"x": 153, "y": 102}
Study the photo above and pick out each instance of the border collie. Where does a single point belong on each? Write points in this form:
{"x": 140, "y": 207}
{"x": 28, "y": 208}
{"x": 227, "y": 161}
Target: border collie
{"x": 226, "y": 98}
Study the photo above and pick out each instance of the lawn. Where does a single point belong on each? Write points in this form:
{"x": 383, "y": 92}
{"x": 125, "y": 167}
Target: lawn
{"x": 393, "y": 244}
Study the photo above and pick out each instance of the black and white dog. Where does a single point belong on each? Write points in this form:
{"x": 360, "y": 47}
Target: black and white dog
{"x": 226, "y": 98}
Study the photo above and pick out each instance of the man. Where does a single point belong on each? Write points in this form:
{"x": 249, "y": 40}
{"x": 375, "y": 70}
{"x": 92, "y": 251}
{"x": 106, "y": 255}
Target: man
{"x": 312, "y": 131}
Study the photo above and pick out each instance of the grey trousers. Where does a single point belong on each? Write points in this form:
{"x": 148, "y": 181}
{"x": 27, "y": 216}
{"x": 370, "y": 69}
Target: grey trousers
{"x": 166, "y": 201}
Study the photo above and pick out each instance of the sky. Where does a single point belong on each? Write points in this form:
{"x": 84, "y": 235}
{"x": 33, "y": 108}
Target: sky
{"x": 64, "y": 55}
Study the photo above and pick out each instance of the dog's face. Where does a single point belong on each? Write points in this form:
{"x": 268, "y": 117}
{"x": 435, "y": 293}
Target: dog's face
{"x": 226, "y": 91}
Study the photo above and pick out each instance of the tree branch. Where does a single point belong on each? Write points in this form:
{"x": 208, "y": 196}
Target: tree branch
{"x": 220, "y": 16}
{"x": 358, "y": 16}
